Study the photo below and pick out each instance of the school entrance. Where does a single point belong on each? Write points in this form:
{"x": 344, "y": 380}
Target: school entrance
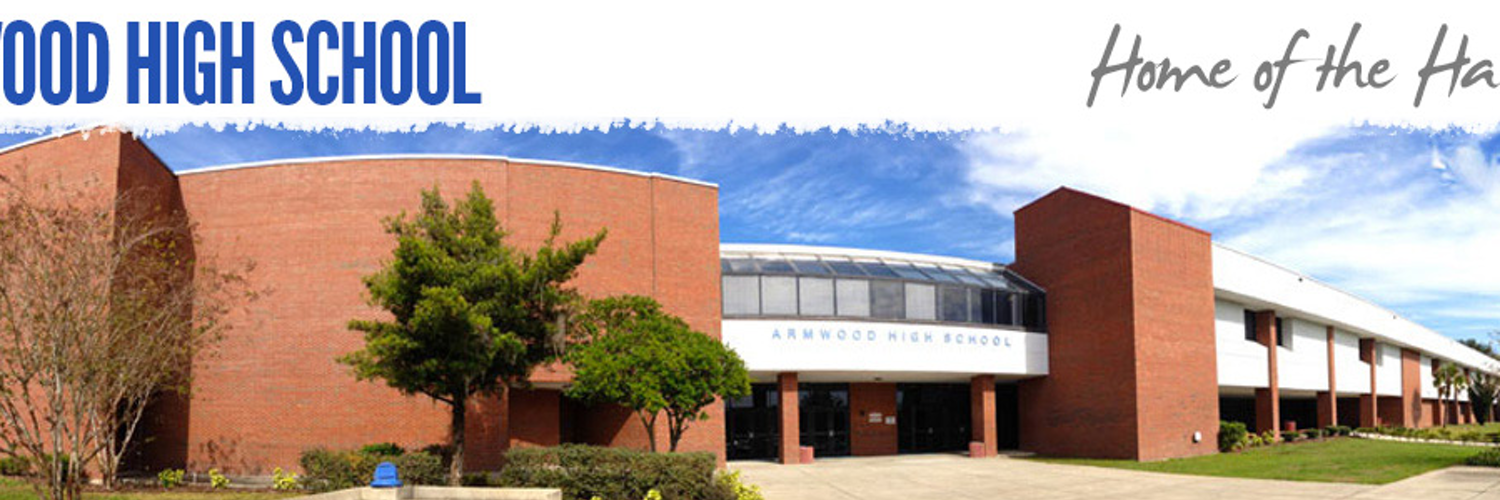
{"x": 842, "y": 419}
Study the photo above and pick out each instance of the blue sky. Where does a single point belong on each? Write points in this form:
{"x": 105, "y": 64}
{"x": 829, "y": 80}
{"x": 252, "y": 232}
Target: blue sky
{"x": 1407, "y": 218}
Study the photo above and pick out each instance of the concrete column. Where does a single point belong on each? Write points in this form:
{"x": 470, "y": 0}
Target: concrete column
{"x": 1411, "y": 386}
{"x": 982, "y": 415}
{"x": 791, "y": 423}
{"x": 1268, "y": 400}
{"x": 1328, "y": 402}
{"x": 1369, "y": 410}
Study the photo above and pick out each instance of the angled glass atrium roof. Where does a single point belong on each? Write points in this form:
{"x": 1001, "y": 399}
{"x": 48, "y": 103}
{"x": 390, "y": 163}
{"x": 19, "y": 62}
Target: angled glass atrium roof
{"x": 819, "y": 261}
{"x": 789, "y": 281}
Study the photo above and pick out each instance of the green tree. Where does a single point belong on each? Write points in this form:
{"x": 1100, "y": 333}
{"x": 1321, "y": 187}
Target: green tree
{"x": 469, "y": 314}
{"x": 651, "y": 362}
{"x": 1449, "y": 379}
{"x": 1484, "y": 388}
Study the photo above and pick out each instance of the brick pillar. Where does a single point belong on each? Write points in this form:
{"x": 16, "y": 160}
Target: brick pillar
{"x": 791, "y": 426}
{"x": 982, "y": 414}
{"x": 1369, "y": 415}
{"x": 1328, "y": 402}
{"x": 1268, "y": 400}
{"x": 1411, "y": 386}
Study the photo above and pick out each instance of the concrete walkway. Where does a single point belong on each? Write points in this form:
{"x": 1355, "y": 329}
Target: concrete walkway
{"x": 914, "y": 477}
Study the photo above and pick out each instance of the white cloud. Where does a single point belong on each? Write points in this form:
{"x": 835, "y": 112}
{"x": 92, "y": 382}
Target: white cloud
{"x": 1393, "y": 227}
{"x": 1406, "y": 218}
{"x": 1183, "y": 169}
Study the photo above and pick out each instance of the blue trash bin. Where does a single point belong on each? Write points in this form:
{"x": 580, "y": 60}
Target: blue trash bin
{"x": 385, "y": 476}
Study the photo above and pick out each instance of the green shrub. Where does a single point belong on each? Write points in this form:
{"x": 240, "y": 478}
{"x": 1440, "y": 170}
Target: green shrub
{"x": 332, "y": 470}
{"x": 335, "y": 470}
{"x": 1232, "y": 435}
{"x": 742, "y": 491}
{"x": 170, "y": 478}
{"x": 1337, "y": 430}
{"x": 15, "y": 466}
{"x": 584, "y": 472}
{"x": 418, "y": 468}
{"x": 284, "y": 481}
{"x": 383, "y": 449}
{"x": 1312, "y": 434}
{"x": 47, "y": 462}
{"x": 479, "y": 479}
{"x": 442, "y": 451}
{"x": 1487, "y": 458}
{"x": 217, "y": 480}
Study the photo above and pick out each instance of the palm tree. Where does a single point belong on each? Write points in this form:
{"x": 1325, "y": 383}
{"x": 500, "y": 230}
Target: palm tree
{"x": 1448, "y": 379}
{"x": 1460, "y": 384}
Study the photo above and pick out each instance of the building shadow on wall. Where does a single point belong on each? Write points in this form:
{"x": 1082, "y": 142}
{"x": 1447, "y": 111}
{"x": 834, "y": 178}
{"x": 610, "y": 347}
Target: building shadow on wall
{"x": 161, "y": 438}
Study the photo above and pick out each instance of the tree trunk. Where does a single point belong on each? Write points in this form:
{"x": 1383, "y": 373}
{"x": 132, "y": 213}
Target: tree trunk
{"x": 1441, "y": 418}
{"x": 650, "y": 424}
{"x": 676, "y": 426}
{"x": 456, "y": 467}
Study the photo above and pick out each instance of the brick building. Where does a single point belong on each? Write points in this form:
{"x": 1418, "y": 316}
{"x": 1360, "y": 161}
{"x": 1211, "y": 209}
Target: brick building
{"x": 1116, "y": 333}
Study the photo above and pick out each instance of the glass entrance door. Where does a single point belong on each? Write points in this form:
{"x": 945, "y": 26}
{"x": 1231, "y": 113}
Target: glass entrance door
{"x": 824, "y": 418}
{"x": 932, "y": 418}
{"x": 752, "y": 424}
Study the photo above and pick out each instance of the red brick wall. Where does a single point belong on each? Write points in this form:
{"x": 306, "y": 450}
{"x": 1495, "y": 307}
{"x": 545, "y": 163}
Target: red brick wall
{"x": 534, "y": 417}
{"x": 1077, "y": 247}
{"x": 1390, "y": 411}
{"x": 1130, "y": 319}
{"x": 1177, "y": 378}
{"x": 866, "y": 437}
{"x": 314, "y": 229}
{"x": 983, "y": 428}
{"x": 106, "y": 166}
{"x": 791, "y": 440}
{"x": 1431, "y": 412}
{"x": 1411, "y": 387}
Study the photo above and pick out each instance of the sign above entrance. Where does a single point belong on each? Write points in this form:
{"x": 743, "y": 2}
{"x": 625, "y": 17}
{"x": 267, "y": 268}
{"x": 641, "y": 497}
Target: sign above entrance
{"x": 860, "y": 346}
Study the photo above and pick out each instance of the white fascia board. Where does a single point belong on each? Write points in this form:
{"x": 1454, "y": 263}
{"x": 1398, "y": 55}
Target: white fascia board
{"x": 1258, "y": 283}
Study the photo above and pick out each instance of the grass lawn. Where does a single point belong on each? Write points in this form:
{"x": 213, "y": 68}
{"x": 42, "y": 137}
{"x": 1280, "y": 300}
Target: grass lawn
{"x": 1344, "y": 460}
{"x": 14, "y": 489}
{"x": 1485, "y": 428}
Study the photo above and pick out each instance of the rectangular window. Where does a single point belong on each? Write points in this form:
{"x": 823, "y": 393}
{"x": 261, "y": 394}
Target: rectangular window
{"x": 921, "y": 302}
{"x": 976, "y": 306}
{"x": 815, "y": 295}
{"x": 778, "y": 295}
{"x": 1033, "y": 312}
{"x": 987, "y": 304}
{"x": 741, "y": 295}
{"x": 775, "y": 266}
{"x": 845, "y": 268}
{"x": 810, "y": 267}
{"x": 1250, "y": 326}
{"x": 908, "y": 272}
{"x": 887, "y": 300}
{"x": 953, "y": 303}
{"x": 878, "y": 269}
{"x": 1283, "y": 337}
{"x": 1007, "y": 309}
{"x": 741, "y": 265}
{"x": 852, "y": 297}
